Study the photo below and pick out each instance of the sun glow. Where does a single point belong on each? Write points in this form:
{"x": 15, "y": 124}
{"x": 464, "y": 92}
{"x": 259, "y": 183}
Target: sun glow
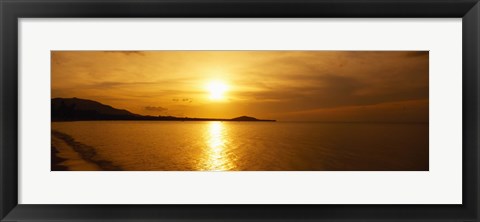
{"x": 217, "y": 89}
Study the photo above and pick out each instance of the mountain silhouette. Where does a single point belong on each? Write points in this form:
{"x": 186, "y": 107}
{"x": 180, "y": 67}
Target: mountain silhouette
{"x": 83, "y": 109}
{"x": 245, "y": 118}
{"x": 76, "y": 109}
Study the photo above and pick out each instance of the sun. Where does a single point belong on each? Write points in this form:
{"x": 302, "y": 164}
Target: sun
{"x": 217, "y": 89}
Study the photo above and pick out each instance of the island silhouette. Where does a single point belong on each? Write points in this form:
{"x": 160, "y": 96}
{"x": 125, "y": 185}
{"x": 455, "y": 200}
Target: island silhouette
{"x": 76, "y": 109}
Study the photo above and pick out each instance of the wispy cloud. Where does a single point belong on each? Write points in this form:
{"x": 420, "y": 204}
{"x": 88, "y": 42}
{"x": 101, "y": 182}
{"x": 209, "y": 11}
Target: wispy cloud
{"x": 261, "y": 83}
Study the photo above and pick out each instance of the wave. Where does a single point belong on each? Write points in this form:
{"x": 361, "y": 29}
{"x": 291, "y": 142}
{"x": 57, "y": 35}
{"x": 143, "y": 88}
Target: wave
{"x": 86, "y": 152}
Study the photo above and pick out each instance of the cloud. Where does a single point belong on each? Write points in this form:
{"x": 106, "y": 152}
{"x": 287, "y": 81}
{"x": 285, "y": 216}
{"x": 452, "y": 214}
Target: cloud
{"x": 404, "y": 111}
{"x": 126, "y": 52}
{"x": 333, "y": 79}
{"x": 261, "y": 82}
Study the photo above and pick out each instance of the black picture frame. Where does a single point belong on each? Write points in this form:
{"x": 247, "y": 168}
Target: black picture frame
{"x": 12, "y": 10}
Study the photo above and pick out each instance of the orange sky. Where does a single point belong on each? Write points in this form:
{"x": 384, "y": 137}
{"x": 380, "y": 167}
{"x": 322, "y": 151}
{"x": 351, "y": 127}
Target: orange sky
{"x": 283, "y": 85}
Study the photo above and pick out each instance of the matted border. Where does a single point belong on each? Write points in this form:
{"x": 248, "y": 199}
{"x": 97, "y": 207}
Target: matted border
{"x": 12, "y": 10}
{"x": 38, "y": 36}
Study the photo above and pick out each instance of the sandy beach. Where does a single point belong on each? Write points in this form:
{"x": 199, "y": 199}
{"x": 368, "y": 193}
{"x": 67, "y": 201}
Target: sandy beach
{"x": 57, "y": 162}
{"x": 70, "y": 155}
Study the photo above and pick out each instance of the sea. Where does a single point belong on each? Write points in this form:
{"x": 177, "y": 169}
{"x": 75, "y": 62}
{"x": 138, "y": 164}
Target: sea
{"x": 242, "y": 146}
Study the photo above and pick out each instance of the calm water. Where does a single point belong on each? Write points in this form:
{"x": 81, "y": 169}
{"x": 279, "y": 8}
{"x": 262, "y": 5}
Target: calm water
{"x": 158, "y": 145}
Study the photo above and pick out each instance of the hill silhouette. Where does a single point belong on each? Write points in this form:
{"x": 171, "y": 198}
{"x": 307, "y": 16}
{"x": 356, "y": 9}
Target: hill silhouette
{"x": 76, "y": 109}
{"x": 245, "y": 118}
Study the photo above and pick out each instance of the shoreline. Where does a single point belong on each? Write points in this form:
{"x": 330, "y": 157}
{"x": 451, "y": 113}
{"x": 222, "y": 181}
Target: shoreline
{"x": 69, "y": 155}
{"x": 56, "y": 161}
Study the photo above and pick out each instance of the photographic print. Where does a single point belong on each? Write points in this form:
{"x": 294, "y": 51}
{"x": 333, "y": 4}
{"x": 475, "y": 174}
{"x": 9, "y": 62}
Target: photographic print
{"x": 240, "y": 110}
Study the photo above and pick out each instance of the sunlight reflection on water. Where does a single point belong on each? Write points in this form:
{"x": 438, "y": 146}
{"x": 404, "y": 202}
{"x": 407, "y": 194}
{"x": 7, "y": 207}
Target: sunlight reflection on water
{"x": 217, "y": 159}
{"x": 253, "y": 146}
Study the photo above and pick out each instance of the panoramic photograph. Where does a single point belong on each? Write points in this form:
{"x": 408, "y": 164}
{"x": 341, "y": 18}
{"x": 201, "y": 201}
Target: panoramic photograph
{"x": 239, "y": 110}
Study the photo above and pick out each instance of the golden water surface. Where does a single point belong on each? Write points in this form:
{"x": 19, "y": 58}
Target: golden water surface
{"x": 220, "y": 146}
